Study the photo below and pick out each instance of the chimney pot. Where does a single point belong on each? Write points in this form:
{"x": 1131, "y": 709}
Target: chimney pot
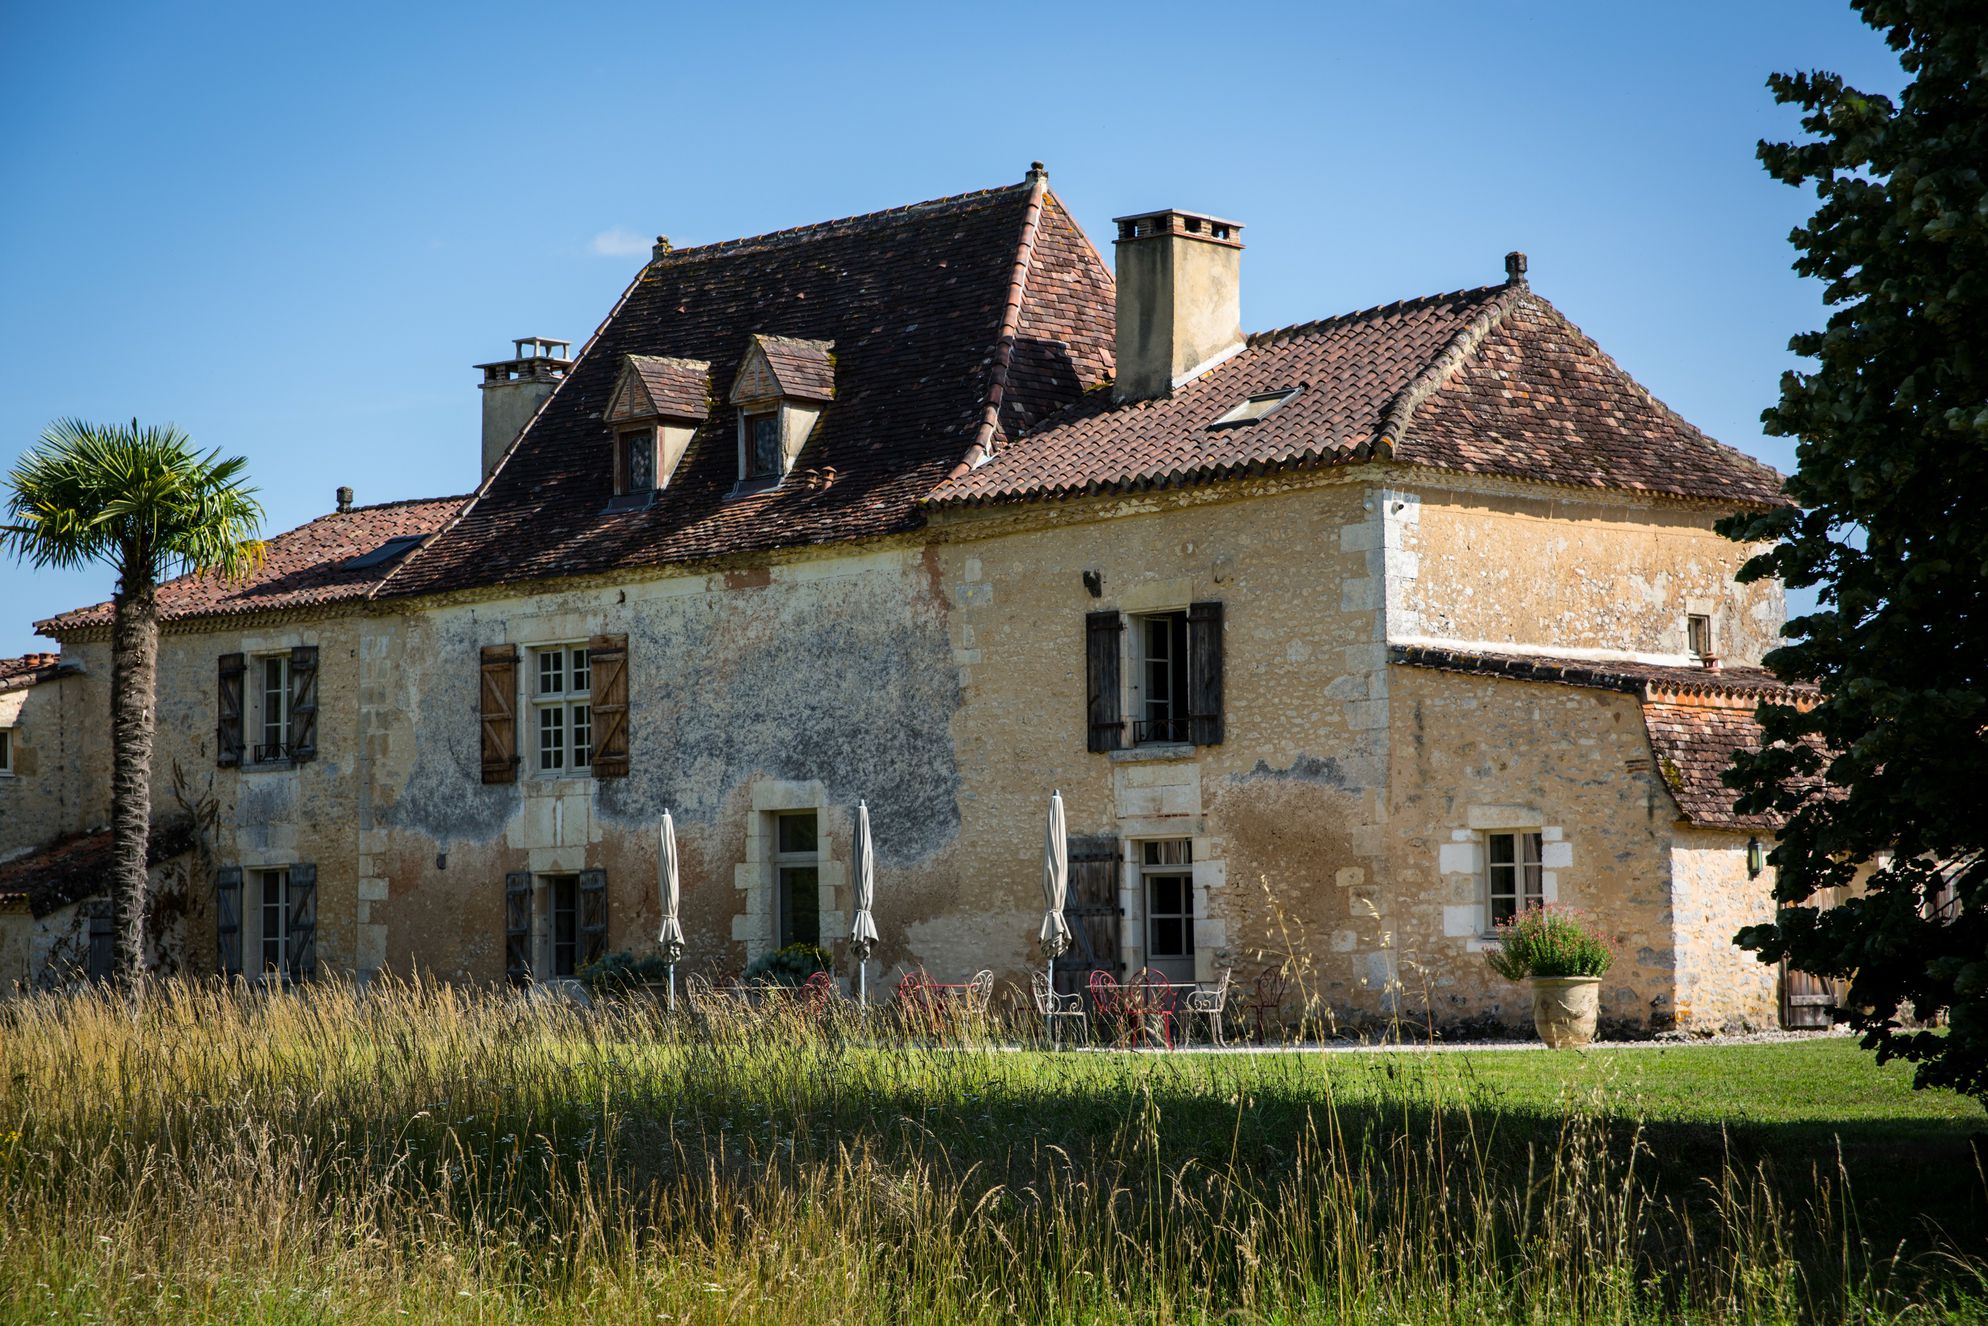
{"x": 514, "y": 388}
{"x": 1179, "y": 299}
{"x": 1515, "y": 267}
{"x": 344, "y": 499}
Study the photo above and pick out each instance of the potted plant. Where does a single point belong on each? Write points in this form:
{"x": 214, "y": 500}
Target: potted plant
{"x": 619, "y": 975}
{"x": 1564, "y": 957}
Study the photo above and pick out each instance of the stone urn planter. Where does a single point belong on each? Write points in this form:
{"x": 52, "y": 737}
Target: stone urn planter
{"x": 1564, "y": 1008}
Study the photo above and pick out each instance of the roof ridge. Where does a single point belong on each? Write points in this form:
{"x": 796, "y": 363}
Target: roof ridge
{"x": 1273, "y": 334}
{"x": 382, "y": 506}
{"x": 792, "y": 234}
{"x": 1395, "y": 418}
{"x": 982, "y": 447}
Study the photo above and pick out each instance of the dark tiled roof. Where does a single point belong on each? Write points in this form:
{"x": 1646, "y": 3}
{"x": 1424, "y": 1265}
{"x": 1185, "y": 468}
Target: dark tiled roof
{"x": 915, "y": 301}
{"x": 1490, "y": 381}
{"x": 805, "y": 370}
{"x": 677, "y": 388}
{"x": 304, "y": 567}
{"x": 28, "y": 670}
{"x": 1696, "y": 717}
{"x": 71, "y": 869}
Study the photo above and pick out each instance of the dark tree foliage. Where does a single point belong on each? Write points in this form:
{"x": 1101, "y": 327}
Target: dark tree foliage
{"x": 1892, "y": 530}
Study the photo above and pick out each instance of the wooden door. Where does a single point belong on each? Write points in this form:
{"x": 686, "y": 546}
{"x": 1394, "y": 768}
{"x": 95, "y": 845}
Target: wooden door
{"x": 1806, "y": 999}
{"x": 1091, "y": 909}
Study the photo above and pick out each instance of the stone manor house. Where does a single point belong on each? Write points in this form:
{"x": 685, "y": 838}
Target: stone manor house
{"x": 1341, "y": 640}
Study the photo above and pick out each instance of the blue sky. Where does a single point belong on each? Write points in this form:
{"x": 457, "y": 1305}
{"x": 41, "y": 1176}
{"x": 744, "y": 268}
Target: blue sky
{"x": 291, "y": 230}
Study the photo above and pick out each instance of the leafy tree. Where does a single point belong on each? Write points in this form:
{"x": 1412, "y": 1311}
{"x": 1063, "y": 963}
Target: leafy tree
{"x": 145, "y": 502}
{"x": 1885, "y": 780}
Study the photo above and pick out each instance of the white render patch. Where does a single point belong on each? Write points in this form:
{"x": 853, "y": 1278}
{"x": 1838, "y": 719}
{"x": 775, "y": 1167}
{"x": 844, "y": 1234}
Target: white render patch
{"x": 1457, "y": 858}
{"x": 1461, "y": 921}
{"x": 1541, "y": 651}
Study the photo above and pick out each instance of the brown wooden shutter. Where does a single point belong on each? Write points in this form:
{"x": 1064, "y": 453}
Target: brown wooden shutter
{"x": 1092, "y": 912}
{"x": 500, "y": 713}
{"x": 228, "y": 735}
{"x": 300, "y": 924}
{"x": 1103, "y": 640}
{"x": 228, "y": 920}
{"x": 101, "y": 963}
{"x": 593, "y": 918}
{"x": 607, "y": 661}
{"x": 518, "y": 927}
{"x": 304, "y": 703}
{"x": 1204, "y": 674}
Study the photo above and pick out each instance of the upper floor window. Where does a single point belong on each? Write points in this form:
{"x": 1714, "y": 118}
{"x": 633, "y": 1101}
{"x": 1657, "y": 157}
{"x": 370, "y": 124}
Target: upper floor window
{"x": 6, "y": 751}
{"x": 268, "y": 709}
{"x": 782, "y": 386}
{"x": 1698, "y": 631}
{"x": 762, "y": 446}
{"x": 635, "y": 461}
{"x": 272, "y": 708}
{"x": 1513, "y": 880}
{"x": 562, "y": 708}
{"x": 1165, "y": 672}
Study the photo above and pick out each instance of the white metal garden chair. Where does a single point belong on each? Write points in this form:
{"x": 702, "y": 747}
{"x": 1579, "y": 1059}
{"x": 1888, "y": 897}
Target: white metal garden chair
{"x": 1210, "y": 1004}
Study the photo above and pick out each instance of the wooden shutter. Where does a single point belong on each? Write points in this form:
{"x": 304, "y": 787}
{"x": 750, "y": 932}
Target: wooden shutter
{"x": 518, "y": 927}
{"x": 228, "y": 736}
{"x": 304, "y": 703}
{"x": 228, "y": 919}
{"x": 101, "y": 963}
{"x": 1091, "y": 910}
{"x": 1204, "y": 674}
{"x": 500, "y": 714}
{"x": 300, "y": 924}
{"x": 607, "y": 662}
{"x": 593, "y": 918}
{"x": 1103, "y": 641}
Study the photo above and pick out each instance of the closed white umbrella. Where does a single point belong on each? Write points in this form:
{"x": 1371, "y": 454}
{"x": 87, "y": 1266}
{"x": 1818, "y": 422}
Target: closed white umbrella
{"x": 1055, "y": 888}
{"x": 671, "y": 937}
{"x": 863, "y": 931}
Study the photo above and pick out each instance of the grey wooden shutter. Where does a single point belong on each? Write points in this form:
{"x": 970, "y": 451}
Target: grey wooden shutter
{"x": 518, "y": 927}
{"x": 1204, "y": 674}
{"x": 593, "y": 917}
{"x": 101, "y": 962}
{"x": 228, "y": 920}
{"x": 1103, "y": 640}
{"x": 300, "y": 924}
{"x": 228, "y": 734}
{"x": 607, "y": 661}
{"x": 500, "y": 714}
{"x": 1091, "y": 910}
{"x": 304, "y": 703}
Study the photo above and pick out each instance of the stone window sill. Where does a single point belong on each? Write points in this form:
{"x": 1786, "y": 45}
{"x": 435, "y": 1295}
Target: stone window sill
{"x": 1154, "y": 751}
{"x": 268, "y": 766}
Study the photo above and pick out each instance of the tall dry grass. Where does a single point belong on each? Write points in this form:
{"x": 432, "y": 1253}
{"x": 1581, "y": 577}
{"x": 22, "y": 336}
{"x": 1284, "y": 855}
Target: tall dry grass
{"x": 428, "y": 1153}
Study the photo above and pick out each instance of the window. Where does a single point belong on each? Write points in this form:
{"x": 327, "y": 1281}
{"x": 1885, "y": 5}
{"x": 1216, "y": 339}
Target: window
{"x": 270, "y": 901}
{"x": 562, "y": 681}
{"x": 272, "y": 708}
{"x": 1159, "y": 710}
{"x": 1512, "y": 875}
{"x": 1167, "y": 874}
{"x": 762, "y": 446}
{"x": 391, "y": 550}
{"x": 1256, "y": 407}
{"x": 562, "y": 916}
{"x": 1698, "y": 630}
{"x": 635, "y": 460}
{"x": 6, "y": 751}
{"x": 797, "y": 878}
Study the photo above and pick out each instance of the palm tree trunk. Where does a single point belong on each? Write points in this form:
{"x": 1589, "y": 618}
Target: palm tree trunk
{"x": 134, "y": 665}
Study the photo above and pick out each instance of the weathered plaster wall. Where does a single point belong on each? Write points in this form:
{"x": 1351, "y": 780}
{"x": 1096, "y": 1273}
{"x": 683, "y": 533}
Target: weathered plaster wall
{"x": 1484, "y": 563}
{"x": 1720, "y": 987}
{"x": 1471, "y": 755}
{"x": 44, "y": 797}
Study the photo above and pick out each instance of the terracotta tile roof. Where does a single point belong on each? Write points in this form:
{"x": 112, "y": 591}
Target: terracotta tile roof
{"x": 804, "y": 370}
{"x": 1696, "y": 717}
{"x": 71, "y": 869}
{"x": 914, "y": 300}
{"x": 1491, "y": 381}
{"x": 304, "y": 567}
{"x": 28, "y": 670}
{"x": 677, "y": 388}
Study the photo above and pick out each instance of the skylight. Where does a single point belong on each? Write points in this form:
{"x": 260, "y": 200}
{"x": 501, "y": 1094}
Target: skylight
{"x": 386, "y": 552}
{"x": 1255, "y": 408}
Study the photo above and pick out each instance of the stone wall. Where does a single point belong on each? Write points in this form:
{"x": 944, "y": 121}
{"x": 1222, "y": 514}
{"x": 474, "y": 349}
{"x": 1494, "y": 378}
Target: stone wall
{"x": 1720, "y": 987}
{"x": 44, "y": 797}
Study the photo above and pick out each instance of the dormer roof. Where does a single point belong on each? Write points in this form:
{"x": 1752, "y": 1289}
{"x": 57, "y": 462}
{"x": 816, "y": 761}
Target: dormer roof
{"x": 785, "y": 368}
{"x": 660, "y": 387}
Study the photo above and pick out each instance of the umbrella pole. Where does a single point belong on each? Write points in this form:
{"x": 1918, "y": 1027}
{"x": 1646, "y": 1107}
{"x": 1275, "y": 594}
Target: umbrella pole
{"x": 673, "y": 987}
{"x": 1049, "y": 1015}
{"x": 862, "y": 982}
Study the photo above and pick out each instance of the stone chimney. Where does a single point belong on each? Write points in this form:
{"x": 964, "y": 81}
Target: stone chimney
{"x": 1179, "y": 299}
{"x": 514, "y": 388}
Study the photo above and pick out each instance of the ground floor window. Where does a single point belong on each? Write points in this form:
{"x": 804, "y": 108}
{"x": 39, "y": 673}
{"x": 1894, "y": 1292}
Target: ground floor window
{"x": 797, "y": 877}
{"x": 561, "y": 912}
{"x": 269, "y": 897}
{"x": 1166, "y": 872}
{"x": 1512, "y": 876}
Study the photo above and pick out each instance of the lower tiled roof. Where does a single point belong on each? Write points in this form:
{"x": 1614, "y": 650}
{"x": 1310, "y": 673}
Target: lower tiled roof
{"x": 28, "y": 670}
{"x": 71, "y": 869}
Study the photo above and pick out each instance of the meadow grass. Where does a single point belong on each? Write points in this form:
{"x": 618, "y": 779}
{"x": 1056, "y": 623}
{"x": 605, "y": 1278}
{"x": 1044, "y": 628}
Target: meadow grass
{"x": 415, "y": 1152}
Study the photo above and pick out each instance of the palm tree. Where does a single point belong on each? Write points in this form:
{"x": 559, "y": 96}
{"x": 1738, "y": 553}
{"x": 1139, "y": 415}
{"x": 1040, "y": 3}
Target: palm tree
{"x": 144, "y": 501}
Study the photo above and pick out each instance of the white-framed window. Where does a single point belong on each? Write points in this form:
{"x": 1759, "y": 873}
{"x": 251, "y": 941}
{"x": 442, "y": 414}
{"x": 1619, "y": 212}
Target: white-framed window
{"x": 561, "y": 681}
{"x": 6, "y": 752}
{"x": 1512, "y": 877}
{"x": 269, "y": 905}
{"x": 559, "y": 923}
{"x": 796, "y": 877}
{"x": 1159, "y": 677}
{"x": 269, "y": 674}
{"x": 1166, "y": 878}
{"x": 1698, "y": 632}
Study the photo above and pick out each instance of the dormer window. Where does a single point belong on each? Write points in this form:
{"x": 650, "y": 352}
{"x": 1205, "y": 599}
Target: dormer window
{"x": 635, "y": 461}
{"x": 782, "y": 387}
{"x": 1260, "y": 406}
{"x": 654, "y": 409}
